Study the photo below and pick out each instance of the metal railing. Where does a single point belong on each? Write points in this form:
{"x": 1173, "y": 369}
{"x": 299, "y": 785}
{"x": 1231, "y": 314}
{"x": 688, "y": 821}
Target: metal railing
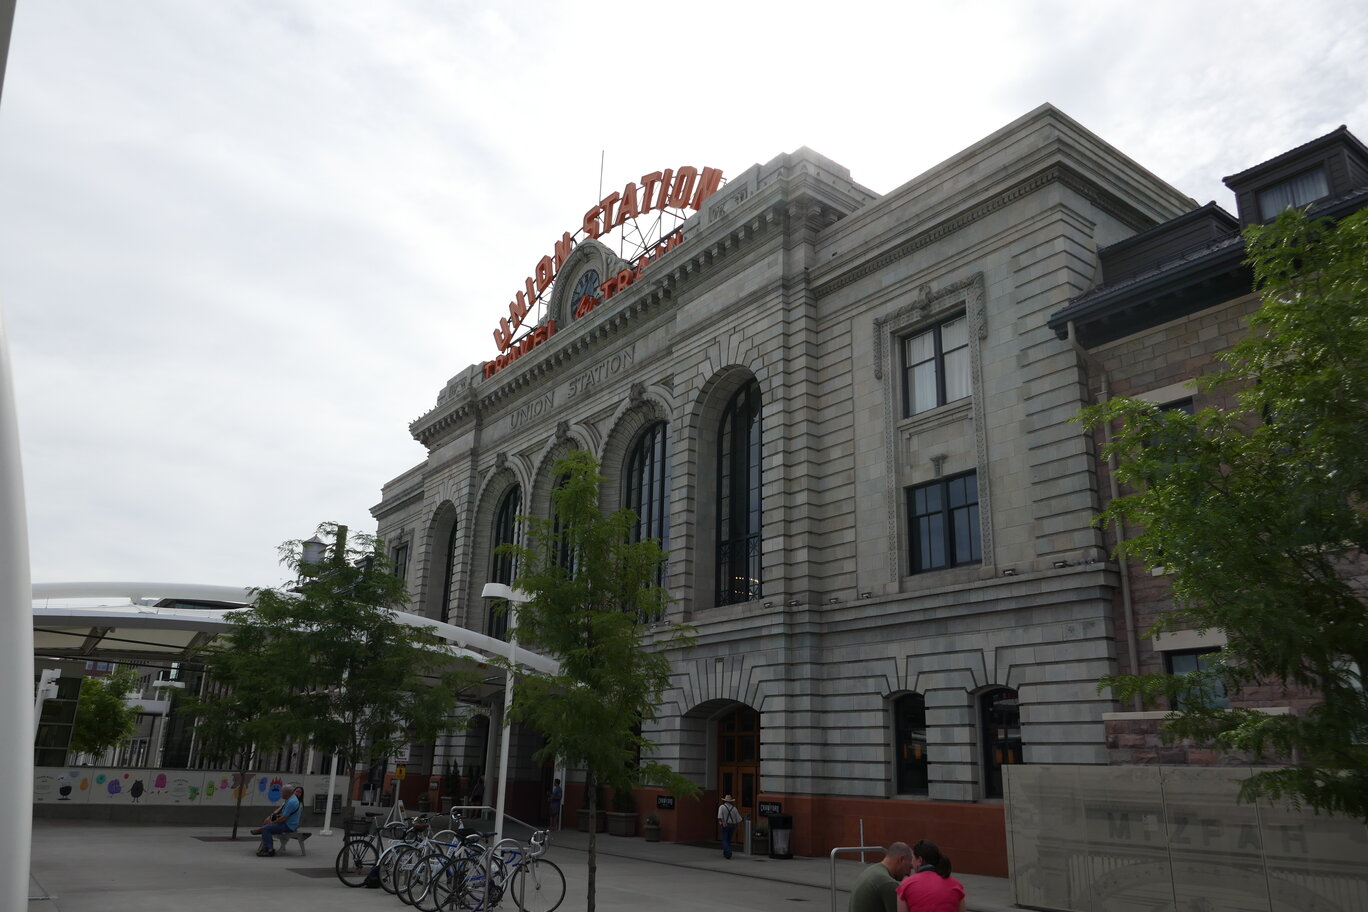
{"x": 841, "y": 849}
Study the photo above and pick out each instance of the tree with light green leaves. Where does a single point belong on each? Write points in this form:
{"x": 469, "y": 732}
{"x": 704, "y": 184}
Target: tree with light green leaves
{"x": 597, "y": 607}
{"x": 104, "y": 717}
{"x": 1257, "y": 516}
{"x": 326, "y": 662}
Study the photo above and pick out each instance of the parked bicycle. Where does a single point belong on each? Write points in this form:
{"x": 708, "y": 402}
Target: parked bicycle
{"x": 467, "y": 876}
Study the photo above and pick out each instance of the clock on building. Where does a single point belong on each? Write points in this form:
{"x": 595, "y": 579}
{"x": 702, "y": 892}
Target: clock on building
{"x": 587, "y": 286}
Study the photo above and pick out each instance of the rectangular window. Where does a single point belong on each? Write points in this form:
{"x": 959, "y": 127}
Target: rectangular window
{"x": 1306, "y": 187}
{"x": 943, "y": 517}
{"x": 1193, "y": 660}
{"x": 401, "y": 559}
{"x": 936, "y": 366}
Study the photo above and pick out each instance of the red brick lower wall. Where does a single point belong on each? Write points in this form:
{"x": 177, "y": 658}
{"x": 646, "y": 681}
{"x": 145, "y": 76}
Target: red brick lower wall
{"x": 973, "y": 835}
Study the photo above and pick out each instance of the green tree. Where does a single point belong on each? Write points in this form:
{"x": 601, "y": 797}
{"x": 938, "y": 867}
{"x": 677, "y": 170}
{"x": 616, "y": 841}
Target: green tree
{"x": 596, "y": 607}
{"x": 1257, "y": 515}
{"x": 325, "y": 661}
{"x": 235, "y": 719}
{"x": 104, "y": 718}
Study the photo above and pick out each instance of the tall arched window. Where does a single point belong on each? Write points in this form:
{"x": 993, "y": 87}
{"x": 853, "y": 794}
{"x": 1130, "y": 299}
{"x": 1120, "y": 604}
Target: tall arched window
{"x": 565, "y": 551}
{"x": 648, "y": 485}
{"x": 1001, "y": 717}
{"x": 503, "y": 567}
{"x": 449, "y": 575}
{"x": 738, "y": 499}
{"x": 909, "y": 732}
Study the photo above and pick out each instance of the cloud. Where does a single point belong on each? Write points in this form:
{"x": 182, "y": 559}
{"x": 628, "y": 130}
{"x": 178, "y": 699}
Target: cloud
{"x": 244, "y": 244}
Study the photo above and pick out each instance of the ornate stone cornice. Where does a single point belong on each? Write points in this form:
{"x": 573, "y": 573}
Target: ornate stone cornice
{"x": 1056, "y": 173}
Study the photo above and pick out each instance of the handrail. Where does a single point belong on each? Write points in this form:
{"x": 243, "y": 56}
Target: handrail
{"x": 833, "y": 865}
{"x": 484, "y": 807}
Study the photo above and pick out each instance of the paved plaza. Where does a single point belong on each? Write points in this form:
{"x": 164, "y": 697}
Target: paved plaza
{"x": 81, "y": 866}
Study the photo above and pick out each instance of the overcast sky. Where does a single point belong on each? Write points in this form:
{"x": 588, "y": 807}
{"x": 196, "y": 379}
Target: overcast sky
{"x": 243, "y": 243}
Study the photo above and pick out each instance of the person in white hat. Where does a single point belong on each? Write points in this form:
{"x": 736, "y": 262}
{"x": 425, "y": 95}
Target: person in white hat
{"x": 727, "y": 818}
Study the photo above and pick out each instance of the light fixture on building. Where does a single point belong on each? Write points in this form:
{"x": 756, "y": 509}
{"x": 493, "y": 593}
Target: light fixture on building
{"x": 866, "y": 595}
{"x": 769, "y": 604}
{"x": 1010, "y": 571}
{"x": 793, "y": 603}
{"x": 1060, "y": 565}
{"x": 834, "y": 601}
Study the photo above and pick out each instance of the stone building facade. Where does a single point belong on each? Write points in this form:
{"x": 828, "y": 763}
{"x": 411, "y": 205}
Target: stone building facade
{"x": 849, "y": 418}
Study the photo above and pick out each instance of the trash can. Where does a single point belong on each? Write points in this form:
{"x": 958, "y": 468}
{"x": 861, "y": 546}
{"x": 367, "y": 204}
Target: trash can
{"x": 781, "y": 835}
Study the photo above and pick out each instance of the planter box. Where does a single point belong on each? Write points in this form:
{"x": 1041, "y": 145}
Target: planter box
{"x": 622, "y": 823}
{"x": 583, "y": 818}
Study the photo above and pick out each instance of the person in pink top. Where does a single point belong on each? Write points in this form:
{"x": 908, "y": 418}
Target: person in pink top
{"x": 930, "y": 888}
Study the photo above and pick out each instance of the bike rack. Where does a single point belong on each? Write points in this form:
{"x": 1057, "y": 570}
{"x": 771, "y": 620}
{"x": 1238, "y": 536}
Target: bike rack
{"x": 834, "y": 852}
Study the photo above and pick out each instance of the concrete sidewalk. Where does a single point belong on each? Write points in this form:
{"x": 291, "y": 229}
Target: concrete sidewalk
{"x": 84, "y": 866}
{"x": 983, "y": 894}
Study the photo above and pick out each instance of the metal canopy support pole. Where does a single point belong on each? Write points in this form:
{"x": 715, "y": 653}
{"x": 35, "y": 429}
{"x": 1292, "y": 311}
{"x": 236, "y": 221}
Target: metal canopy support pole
{"x": 332, "y": 787}
{"x": 16, "y": 622}
{"x": 514, "y": 597}
{"x": 503, "y": 753}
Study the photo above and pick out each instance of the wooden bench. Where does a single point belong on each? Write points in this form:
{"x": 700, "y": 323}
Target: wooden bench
{"x": 299, "y": 835}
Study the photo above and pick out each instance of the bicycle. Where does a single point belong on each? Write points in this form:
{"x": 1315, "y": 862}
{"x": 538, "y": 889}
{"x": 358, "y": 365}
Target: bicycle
{"x": 398, "y": 859}
{"x": 361, "y": 850}
{"x": 537, "y": 884}
{"x": 440, "y": 877}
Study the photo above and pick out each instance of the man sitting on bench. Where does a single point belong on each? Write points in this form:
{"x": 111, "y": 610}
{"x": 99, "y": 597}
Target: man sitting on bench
{"x": 284, "y": 819}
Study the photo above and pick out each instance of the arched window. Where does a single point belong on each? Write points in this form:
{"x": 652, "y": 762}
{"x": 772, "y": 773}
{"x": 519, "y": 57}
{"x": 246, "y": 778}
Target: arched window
{"x": 1001, "y": 723}
{"x": 449, "y": 574}
{"x": 738, "y": 499}
{"x": 503, "y": 567}
{"x": 440, "y": 571}
{"x": 565, "y": 552}
{"x": 909, "y": 734}
{"x": 648, "y": 485}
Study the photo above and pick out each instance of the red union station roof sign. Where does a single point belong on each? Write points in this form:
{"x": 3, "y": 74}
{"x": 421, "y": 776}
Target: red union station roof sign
{"x": 674, "y": 188}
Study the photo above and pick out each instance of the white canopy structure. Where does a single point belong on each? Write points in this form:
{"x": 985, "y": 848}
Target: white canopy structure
{"x": 156, "y": 623}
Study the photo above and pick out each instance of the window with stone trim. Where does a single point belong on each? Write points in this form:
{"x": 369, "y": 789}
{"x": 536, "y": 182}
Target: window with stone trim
{"x": 503, "y": 567}
{"x": 943, "y": 519}
{"x": 399, "y": 555}
{"x": 647, "y": 485}
{"x": 1200, "y": 663}
{"x": 739, "y": 498}
{"x": 566, "y": 555}
{"x": 1000, "y": 722}
{"x": 911, "y": 772}
{"x": 935, "y": 366}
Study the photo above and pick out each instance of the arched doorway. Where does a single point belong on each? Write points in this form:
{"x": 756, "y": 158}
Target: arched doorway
{"x": 738, "y": 757}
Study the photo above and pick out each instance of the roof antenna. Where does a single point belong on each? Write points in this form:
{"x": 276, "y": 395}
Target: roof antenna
{"x": 601, "y": 154}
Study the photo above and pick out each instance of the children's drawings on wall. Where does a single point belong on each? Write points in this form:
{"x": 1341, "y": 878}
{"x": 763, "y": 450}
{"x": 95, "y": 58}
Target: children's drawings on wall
{"x": 87, "y": 785}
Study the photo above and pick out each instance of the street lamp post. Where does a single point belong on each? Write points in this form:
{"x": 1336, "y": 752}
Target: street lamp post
{"x": 514, "y": 597}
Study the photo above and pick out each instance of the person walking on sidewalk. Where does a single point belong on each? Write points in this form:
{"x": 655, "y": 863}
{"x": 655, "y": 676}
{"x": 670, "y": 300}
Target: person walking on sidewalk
{"x": 876, "y": 889}
{"x": 727, "y": 818}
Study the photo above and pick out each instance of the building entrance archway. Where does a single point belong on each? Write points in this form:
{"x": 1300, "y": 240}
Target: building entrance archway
{"x": 738, "y": 757}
